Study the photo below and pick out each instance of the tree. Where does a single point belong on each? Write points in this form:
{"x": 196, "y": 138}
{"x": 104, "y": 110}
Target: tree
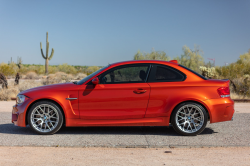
{"x": 154, "y": 55}
{"x": 244, "y": 58}
{"x": 191, "y": 59}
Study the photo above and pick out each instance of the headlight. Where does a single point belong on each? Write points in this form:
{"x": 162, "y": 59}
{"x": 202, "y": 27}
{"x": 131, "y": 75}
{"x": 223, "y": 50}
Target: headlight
{"x": 20, "y": 99}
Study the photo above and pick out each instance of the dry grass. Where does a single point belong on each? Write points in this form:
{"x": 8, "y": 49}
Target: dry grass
{"x": 236, "y": 96}
{"x": 59, "y": 77}
{"x": 27, "y": 84}
{"x": 31, "y": 75}
{"x": 80, "y": 76}
{"x": 12, "y": 91}
{"x": 7, "y": 94}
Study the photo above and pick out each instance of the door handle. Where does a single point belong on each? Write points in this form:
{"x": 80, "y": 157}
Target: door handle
{"x": 139, "y": 91}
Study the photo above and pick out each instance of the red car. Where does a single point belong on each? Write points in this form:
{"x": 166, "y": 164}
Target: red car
{"x": 131, "y": 93}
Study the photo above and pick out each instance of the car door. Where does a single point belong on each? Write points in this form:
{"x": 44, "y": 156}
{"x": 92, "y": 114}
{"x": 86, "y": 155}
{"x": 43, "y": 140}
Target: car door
{"x": 122, "y": 93}
{"x": 166, "y": 83}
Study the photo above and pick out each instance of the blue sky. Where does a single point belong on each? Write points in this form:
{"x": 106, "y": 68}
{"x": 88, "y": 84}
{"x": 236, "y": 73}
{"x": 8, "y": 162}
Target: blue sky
{"x": 100, "y": 32}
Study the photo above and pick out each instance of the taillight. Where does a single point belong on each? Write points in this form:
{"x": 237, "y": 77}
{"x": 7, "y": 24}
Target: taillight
{"x": 224, "y": 92}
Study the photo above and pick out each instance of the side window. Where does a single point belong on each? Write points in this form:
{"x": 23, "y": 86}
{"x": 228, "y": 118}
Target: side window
{"x": 126, "y": 74}
{"x": 165, "y": 74}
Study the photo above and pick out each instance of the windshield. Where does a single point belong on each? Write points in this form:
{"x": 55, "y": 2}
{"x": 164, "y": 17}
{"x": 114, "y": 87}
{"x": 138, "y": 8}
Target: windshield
{"x": 91, "y": 75}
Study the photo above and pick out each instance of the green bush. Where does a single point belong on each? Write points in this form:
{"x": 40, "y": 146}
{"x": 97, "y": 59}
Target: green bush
{"x": 8, "y": 69}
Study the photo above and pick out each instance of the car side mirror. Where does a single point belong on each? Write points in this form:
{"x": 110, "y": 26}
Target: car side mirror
{"x": 95, "y": 81}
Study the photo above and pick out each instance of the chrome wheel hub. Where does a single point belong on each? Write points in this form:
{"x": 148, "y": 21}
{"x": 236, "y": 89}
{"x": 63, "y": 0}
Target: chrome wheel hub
{"x": 189, "y": 118}
{"x": 44, "y": 118}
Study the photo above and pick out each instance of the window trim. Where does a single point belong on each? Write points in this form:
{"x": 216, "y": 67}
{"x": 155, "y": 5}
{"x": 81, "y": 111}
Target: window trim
{"x": 194, "y": 72}
{"x": 127, "y": 65}
{"x": 154, "y": 69}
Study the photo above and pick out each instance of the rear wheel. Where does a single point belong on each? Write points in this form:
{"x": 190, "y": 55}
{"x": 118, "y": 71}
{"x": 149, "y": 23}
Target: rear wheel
{"x": 45, "y": 117}
{"x": 189, "y": 119}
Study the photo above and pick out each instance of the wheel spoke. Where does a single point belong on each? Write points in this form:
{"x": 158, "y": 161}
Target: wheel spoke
{"x": 41, "y": 109}
{"x": 197, "y": 119}
{"x": 41, "y": 119}
{"x": 193, "y": 116}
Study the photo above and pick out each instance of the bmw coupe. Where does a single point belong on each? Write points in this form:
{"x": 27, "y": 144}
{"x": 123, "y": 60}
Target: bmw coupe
{"x": 131, "y": 93}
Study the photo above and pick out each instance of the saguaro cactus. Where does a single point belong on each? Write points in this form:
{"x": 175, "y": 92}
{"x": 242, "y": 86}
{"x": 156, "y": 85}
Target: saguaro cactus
{"x": 19, "y": 62}
{"x": 47, "y": 57}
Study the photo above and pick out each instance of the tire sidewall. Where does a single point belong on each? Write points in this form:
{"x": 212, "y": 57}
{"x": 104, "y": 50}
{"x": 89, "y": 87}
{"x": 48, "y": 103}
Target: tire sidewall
{"x": 60, "y": 121}
{"x": 176, "y": 128}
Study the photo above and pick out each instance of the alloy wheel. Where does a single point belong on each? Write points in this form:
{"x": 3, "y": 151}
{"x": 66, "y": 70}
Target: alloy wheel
{"x": 189, "y": 118}
{"x": 44, "y": 118}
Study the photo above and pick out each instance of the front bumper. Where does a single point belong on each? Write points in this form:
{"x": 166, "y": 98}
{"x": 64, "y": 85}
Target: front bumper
{"x": 220, "y": 110}
{"x": 19, "y": 112}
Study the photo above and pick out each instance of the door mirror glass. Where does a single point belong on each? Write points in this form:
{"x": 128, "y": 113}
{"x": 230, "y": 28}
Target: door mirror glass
{"x": 95, "y": 80}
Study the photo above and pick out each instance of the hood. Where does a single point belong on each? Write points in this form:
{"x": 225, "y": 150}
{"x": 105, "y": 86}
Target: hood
{"x": 63, "y": 86}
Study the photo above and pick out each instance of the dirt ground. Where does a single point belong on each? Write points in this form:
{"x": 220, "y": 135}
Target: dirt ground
{"x": 124, "y": 156}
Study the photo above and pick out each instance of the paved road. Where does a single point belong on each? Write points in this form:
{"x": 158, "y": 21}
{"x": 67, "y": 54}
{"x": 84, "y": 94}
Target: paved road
{"x": 232, "y": 133}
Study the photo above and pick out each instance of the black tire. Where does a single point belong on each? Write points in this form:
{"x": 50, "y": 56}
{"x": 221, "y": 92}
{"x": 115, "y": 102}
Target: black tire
{"x": 40, "y": 117}
{"x": 193, "y": 114}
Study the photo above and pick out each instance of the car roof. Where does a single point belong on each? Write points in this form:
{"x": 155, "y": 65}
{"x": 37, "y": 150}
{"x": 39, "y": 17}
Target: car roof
{"x": 143, "y": 61}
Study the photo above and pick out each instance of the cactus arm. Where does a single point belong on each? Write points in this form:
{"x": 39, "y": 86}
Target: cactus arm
{"x": 42, "y": 50}
{"x": 52, "y": 53}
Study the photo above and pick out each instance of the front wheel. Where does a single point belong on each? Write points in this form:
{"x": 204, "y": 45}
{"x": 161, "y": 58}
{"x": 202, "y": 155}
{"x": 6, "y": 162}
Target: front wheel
{"x": 45, "y": 117}
{"x": 189, "y": 119}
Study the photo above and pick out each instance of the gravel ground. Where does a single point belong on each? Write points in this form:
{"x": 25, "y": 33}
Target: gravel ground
{"x": 226, "y": 134}
{"x": 29, "y": 156}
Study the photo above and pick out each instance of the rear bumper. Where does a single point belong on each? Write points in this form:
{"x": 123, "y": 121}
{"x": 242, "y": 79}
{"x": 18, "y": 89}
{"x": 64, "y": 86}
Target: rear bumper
{"x": 220, "y": 110}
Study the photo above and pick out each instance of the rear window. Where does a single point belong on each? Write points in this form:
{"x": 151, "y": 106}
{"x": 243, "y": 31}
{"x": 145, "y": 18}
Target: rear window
{"x": 201, "y": 76}
{"x": 166, "y": 74}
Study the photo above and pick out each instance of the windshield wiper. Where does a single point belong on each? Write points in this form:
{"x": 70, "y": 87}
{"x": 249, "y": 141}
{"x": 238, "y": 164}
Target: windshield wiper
{"x": 75, "y": 82}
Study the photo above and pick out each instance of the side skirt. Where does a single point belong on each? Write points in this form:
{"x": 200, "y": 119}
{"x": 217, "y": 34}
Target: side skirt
{"x": 159, "y": 121}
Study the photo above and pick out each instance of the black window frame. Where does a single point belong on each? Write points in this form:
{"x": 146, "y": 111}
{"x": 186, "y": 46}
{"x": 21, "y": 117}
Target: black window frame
{"x": 127, "y": 65}
{"x": 153, "y": 70}
{"x": 199, "y": 75}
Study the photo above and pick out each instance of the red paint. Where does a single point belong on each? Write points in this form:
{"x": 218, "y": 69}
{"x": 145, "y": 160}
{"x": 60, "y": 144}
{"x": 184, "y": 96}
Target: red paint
{"x": 95, "y": 81}
{"x": 129, "y": 104}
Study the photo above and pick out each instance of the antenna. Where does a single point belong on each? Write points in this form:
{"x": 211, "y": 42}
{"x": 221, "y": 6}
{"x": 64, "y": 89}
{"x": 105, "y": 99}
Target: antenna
{"x": 212, "y": 59}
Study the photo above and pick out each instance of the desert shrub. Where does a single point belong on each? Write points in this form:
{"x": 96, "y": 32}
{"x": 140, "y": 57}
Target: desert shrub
{"x": 67, "y": 69}
{"x": 208, "y": 72}
{"x": 237, "y": 96}
{"x": 7, "y": 94}
{"x": 12, "y": 91}
{"x": 31, "y": 75}
{"x": 240, "y": 86}
{"x": 80, "y": 76}
{"x": 52, "y": 69}
{"x": 92, "y": 69}
{"x": 154, "y": 55}
{"x": 11, "y": 69}
{"x": 238, "y": 74}
{"x": 37, "y": 69}
{"x": 27, "y": 84}
{"x": 8, "y": 70}
{"x": 59, "y": 77}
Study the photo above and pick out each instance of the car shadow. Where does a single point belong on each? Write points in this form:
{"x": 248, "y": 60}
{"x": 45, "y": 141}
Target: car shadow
{"x": 161, "y": 130}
